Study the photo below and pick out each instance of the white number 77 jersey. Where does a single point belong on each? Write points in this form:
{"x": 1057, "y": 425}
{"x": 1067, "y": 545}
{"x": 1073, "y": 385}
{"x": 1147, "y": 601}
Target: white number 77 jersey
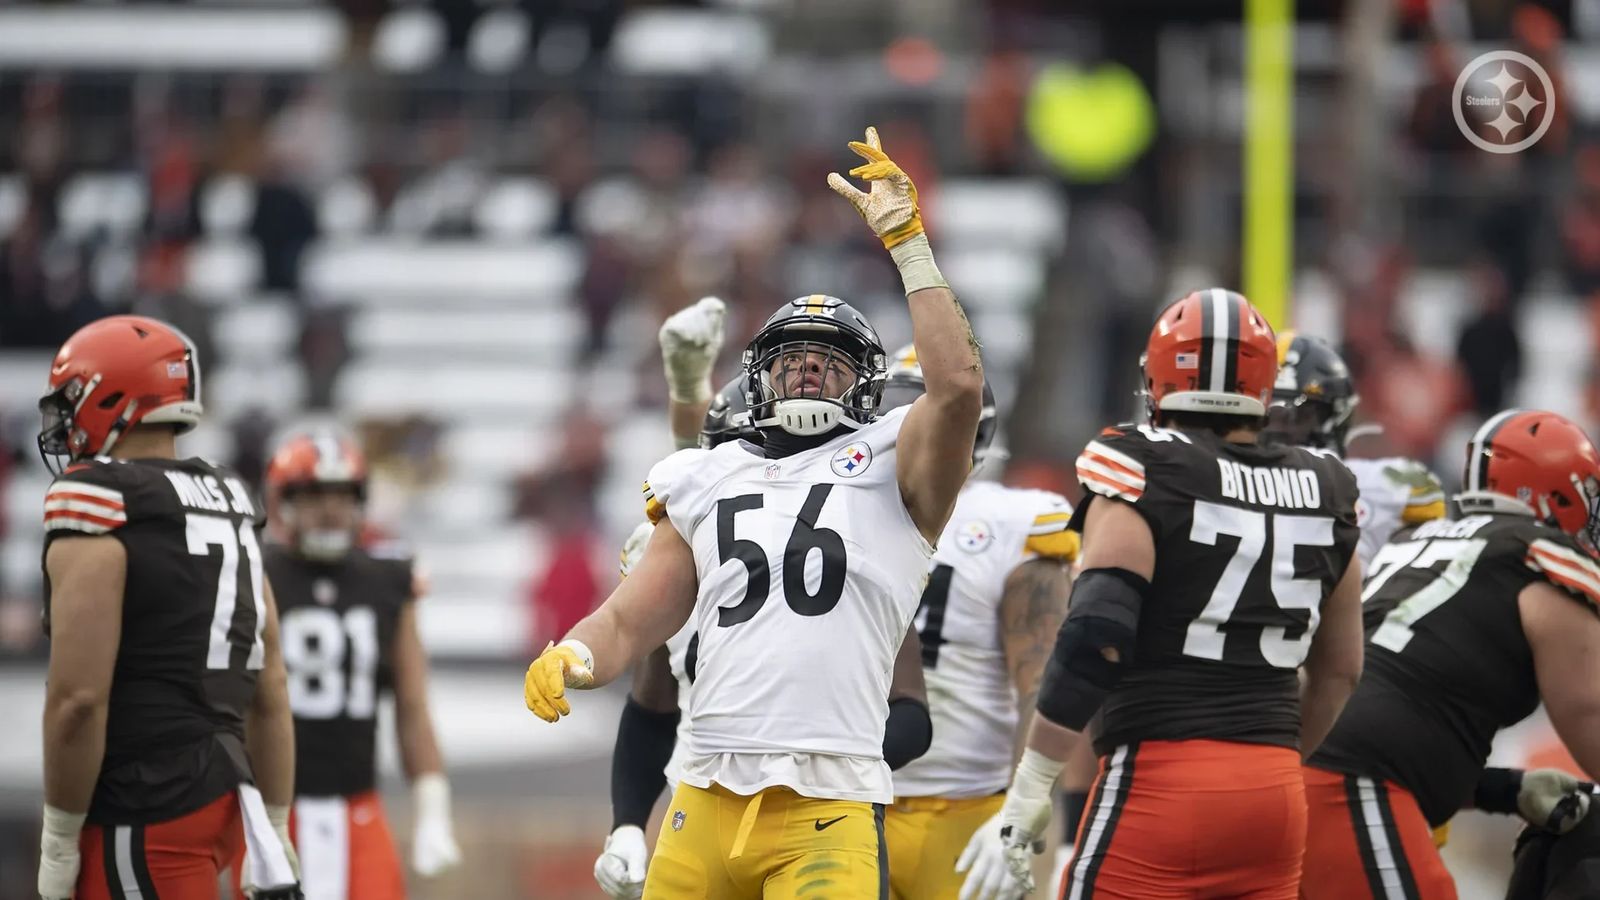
{"x": 809, "y": 571}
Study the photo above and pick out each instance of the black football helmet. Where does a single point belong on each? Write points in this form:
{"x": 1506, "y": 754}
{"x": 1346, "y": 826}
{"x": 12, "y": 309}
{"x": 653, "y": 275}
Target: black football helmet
{"x": 814, "y": 337}
{"x": 905, "y": 383}
{"x": 1313, "y": 398}
{"x": 728, "y": 419}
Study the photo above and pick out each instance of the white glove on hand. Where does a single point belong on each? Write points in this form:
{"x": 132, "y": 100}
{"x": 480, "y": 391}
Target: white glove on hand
{"x": 1553, "y": 800}
{"x": 988, "y": 875}
{"x": 620, "y": 868}
{"x": 691, "y": 338}
{"x": 58, "y": 853}
{"x": 1027, "y": 813}
{"x": 433, "y": 841}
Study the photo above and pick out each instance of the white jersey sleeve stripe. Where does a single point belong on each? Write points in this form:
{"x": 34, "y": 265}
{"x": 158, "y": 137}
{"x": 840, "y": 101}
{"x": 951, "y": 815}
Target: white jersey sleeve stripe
{"x": 1107, "y": 488}
{"x": 1566, "y": 567}
{"x": 1088, "y": 464}
{"x": 109, "y": 496}
{"x": 61, "y": 503}
{"x": 70, "y": 522}
{"x": 1115, "y": 457}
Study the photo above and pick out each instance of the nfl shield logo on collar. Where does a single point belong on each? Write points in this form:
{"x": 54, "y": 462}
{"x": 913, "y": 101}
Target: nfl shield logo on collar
{"x": 677, "y": 820}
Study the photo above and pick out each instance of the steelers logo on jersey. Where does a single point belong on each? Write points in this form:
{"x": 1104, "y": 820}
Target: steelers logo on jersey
{"x": 852, "y": 460}
{"x": 975, "y": 536}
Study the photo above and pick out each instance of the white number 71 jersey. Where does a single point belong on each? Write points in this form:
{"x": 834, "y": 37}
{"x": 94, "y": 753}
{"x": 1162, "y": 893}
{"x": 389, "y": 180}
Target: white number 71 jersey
{"x": 810, "y": 569}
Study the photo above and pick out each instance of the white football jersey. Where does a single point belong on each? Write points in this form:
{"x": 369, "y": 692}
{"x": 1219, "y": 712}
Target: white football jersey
{"x": 1395, "y": 492}
{"x": 677, "y": 650}
{"x": 810, "y": 569}
{"x": 993, "y": 530}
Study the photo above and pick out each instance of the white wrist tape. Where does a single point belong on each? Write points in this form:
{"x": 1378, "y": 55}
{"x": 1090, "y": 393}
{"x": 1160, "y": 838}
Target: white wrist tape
{"x": 431, "y": 795}
{"x": 62, "y": 825}
{"x": 585, "y": 656}
{"x": 1036, "y": 774}
{"x": 917, "y": 269}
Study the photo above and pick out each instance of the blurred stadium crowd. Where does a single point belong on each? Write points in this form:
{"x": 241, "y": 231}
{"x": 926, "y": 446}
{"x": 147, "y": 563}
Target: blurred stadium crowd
{"x": 455, "y": 226}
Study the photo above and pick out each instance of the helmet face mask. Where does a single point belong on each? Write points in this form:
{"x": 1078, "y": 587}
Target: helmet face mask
{"x": 1589, "y": 489}
{"x": 55, "y": 432}
{"x": 815, "y": 365}
{"x": 325, "y": 519}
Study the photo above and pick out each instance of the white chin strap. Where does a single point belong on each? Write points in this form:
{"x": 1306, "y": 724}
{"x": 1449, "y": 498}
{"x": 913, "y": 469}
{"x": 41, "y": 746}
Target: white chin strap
{"x": 807, "y": 417}
{"x": 325, "y": 544}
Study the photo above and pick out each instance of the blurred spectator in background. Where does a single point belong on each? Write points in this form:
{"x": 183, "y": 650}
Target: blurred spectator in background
{"x": 45, "y": 291}
{"x": 1432, "y": 128}
{"x": 560, "y": 496}
{"x": 1412, "y": 395}
{"x": 1489, "y": 349}
{"x": 1580, "y": 225}
{"x": 993, "y": 123}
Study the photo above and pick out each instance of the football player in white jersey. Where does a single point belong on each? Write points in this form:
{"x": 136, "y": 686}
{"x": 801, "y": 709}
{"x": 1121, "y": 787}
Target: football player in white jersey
{"x": 800, "y": 566}
{"x": 1312, "y": 403}
{"x": 996, "y": 595}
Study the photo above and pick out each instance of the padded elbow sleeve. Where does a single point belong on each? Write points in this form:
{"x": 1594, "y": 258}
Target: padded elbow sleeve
{"x": 908, "y": 733}
{"x": 1093, "y": 647}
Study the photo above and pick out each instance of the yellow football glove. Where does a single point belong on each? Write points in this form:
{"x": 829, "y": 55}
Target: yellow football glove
{"x": 560, "y": 666}
{"x": 891, "y": 206}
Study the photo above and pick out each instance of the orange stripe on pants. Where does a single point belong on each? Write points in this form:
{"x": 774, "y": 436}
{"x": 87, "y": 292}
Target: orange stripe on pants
{"x": 1191, "y": 819}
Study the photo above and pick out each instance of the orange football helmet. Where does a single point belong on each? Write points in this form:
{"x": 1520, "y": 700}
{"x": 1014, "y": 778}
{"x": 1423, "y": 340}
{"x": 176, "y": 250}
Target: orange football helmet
{"x": 111, "y": 375}
{"x": 317, "y": 461}
{"x": 1210, "y": 352}
{"x": 1532, "y": 460}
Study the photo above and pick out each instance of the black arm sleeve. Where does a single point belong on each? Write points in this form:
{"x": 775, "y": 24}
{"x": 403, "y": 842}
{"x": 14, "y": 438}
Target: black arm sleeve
{"x": 908, "y": 733}
{"x": 1497, "y": 791}
{"x": 644, "y": 745}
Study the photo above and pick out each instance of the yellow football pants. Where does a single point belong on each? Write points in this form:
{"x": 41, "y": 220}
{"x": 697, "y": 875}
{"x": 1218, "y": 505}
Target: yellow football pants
{"x": 776, "y": 845}
{"x": 926, "y": 836}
